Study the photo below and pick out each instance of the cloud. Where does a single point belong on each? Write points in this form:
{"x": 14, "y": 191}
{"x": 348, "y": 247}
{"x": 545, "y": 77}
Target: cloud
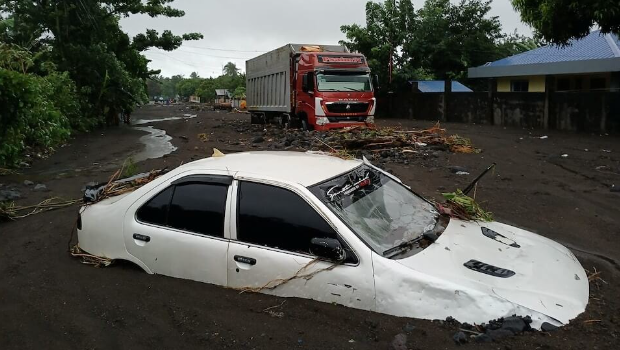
{"x": 235, "y": 30}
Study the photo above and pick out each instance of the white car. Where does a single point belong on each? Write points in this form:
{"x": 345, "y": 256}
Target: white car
{"x": 340, "y": 231}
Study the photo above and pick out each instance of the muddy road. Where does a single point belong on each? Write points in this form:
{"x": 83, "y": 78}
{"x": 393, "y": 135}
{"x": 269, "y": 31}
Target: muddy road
{"x": 558, "y": 186}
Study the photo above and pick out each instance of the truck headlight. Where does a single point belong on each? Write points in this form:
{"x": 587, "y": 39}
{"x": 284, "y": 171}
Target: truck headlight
{"x": 322, "y": 120}
{"x": 370, "y": 119}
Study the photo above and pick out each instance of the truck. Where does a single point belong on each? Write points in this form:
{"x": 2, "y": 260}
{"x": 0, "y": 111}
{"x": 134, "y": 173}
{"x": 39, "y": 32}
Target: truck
{"x": 315, "y": 87}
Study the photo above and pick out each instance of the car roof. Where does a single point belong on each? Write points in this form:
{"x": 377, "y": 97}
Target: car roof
{"x": 305, "y": 168}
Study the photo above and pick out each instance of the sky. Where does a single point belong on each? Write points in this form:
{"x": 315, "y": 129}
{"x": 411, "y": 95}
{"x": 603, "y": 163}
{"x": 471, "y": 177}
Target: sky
{"x": 236, "y": 30}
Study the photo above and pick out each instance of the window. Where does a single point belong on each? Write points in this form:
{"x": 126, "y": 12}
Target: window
{"x": 563, "y": 84}
{"x": 519, "y": 85}
{"x": 598, "y": 83}
{"x": 343, "y": 82}
{"x": 193, "y": 207}
{"x": 578, "y": 83}
{"x": 198, "y": 207}
{"x": 278, "y": 218}
{"x": 156, "y": 209}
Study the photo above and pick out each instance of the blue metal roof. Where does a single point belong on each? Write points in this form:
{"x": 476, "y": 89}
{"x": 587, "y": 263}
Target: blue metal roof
{"x": 438, "y": 86}
{"x": 594, "y": 46}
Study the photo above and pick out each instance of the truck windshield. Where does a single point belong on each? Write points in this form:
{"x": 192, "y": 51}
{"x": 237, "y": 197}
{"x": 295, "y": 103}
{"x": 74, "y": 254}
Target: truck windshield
{"x": 343, "y": 82}
{"x": 381, "y": 211}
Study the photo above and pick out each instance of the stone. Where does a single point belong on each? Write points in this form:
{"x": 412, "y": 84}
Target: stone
{"x": 459, "y": 338}
{"x": 496, "y": 334}
{"x": 514, "y": 324}
{"x": 457, "y": 169}
{"x": 8, "y": 195}
{"x": 548, "y": 327}
{"x": 28, "y": 183}
{"x": 399, "y": 342}
{"x": 483, "y": 338}
{"x": 258, "y": 139}
{"x": 40, "y": 188}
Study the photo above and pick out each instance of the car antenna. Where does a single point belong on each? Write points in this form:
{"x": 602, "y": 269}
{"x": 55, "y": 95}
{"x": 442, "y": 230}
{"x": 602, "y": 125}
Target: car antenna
{"x": 473, "y": 183}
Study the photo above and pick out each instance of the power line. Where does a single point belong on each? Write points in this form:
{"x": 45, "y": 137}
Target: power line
{"x": 184, "y": 62}
{"x": 217, "y": 49}
{"x": 204, "y": 55}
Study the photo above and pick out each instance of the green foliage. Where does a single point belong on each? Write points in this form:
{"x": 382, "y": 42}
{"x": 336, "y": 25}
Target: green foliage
{"x": 231, "y": 80}
{"x": 29, "y": 115}
{"x": 558, "y": 21}
{"x": 68, "y": 65}
{"x": 440, "y": 40}
{"x": 129, "y": 168}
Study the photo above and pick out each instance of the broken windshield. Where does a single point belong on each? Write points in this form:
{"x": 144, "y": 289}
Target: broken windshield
{"x": 381, "y": 211}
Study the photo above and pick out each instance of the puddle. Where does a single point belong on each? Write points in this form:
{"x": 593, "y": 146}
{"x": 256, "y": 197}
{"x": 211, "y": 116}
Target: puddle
{"x": 156, "y": 144}
{"x": 147, "y": 121}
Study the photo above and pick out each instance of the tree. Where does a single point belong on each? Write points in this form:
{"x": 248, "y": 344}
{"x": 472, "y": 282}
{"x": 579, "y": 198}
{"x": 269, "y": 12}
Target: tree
{"x": 388, "y": 26}
{"x": 450, "y": 38}
{"x": 558, "y": 21}
{"x": 84, "y": 39}
{"x": 230, "y": 69}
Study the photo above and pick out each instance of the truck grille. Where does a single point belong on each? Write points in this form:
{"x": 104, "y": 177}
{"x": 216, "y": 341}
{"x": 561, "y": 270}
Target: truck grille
{"x": 342, "y": 107}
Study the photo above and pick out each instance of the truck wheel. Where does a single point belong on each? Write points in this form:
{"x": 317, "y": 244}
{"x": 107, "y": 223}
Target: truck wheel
{"x": 306, "y": 126}
{"x": 255, "y": 119}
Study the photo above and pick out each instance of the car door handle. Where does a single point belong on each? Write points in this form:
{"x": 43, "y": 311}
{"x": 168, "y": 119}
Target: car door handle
{"x": 140, "y": 237}
{"x": 245, "y": 260}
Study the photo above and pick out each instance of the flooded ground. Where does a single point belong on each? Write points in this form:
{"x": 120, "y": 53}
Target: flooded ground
{"x": 49, "y": 298}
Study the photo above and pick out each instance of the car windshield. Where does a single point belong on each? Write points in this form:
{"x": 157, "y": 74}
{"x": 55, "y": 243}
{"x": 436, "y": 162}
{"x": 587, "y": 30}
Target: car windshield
{"x": 343, "y": 82}
{"x": 380, "y": 210}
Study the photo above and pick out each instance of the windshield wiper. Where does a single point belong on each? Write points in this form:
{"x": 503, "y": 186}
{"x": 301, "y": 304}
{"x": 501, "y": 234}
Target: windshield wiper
{"x": 401, "y": 247}
{"x": 429, "y": 235}
{"x": 352, "y": 89}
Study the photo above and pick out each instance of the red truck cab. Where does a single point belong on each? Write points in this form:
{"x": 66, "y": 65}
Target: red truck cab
{"x": 333, "y": 90}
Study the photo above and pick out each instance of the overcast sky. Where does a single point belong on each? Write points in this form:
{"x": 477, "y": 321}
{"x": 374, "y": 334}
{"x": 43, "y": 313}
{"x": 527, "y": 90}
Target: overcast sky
{"x": 235, "y": 30}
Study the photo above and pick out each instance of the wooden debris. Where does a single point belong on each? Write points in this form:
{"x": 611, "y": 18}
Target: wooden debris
{"x": 11, "y": 211}
{"x": 89, "y": 259}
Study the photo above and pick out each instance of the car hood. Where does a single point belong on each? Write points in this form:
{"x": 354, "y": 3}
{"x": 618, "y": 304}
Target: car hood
{"x": 513, "y": 264}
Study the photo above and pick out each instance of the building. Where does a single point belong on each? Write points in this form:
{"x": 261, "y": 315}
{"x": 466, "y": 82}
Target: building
{"x": 426, "y": 86}
{"x": 222, "y": 95}
{"x": 588, "y": 64}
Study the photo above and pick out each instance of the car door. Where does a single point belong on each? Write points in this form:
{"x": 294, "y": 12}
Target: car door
{"x": 180, "y": 228}
{"x": 273, "y": 230}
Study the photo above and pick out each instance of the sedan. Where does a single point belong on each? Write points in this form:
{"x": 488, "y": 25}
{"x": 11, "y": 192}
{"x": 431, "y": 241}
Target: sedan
{"x": 340, "y": 231}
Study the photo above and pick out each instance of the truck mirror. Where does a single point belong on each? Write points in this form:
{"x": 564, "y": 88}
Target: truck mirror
{"x": 375, "y": 82}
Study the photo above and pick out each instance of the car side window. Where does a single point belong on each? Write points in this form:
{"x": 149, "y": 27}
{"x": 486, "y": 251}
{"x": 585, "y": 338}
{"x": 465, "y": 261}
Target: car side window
{"x": 155, "y": 211}
{"x": 278, "y": 218}
{"x": 193, "y": 207}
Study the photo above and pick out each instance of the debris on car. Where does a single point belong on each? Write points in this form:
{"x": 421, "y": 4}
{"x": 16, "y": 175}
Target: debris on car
{"x": 117, "y": 186}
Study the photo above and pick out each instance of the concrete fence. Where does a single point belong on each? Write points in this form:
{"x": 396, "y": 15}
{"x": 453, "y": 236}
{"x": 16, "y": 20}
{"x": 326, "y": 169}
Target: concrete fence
{"x": 576, "y": 111}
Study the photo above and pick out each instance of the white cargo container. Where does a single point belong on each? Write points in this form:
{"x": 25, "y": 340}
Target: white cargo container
{"x": 268, "y": 77}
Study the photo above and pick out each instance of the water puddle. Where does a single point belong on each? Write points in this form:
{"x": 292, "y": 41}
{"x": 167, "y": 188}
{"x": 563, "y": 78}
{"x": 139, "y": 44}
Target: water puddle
{"x": 156, "y": 144}
{"x": 147, "y": 121}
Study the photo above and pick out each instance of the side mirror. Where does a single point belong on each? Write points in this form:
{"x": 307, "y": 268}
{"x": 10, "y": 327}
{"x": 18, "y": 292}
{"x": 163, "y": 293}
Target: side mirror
{"x": 304, "y": 83}
{"x": 327, "y": 248}
{"x": 375, "y": 82}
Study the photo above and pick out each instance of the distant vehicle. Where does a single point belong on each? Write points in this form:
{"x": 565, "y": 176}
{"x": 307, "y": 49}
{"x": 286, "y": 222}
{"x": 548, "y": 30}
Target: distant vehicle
{"x": 317, "y": 87}
{"x": 351, "y": 233}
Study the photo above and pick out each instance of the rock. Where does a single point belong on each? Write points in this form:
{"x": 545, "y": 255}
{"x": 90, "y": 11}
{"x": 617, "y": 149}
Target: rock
{"x": 258, "y": 139}
{"x": 496, "y": 334}
{"x": 548, "y": 327}
{"x": 459, "y": 338}
{"x": 614, "y": 188}
{"x": 408, "y": 328}
{"x": 9, "y": 195}
{"x": 483, "y": 338}
{"x": 399, "y": 342}
{"x": 40, "y": 188}
{"x": 28, "y": 183}
{"x": 514, "y": 324}
{"x": 456, "y": 169}
{"x": 462, "y": 173}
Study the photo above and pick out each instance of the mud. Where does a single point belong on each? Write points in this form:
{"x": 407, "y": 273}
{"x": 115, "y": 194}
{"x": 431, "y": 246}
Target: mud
{"x": 49, "y": 300}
